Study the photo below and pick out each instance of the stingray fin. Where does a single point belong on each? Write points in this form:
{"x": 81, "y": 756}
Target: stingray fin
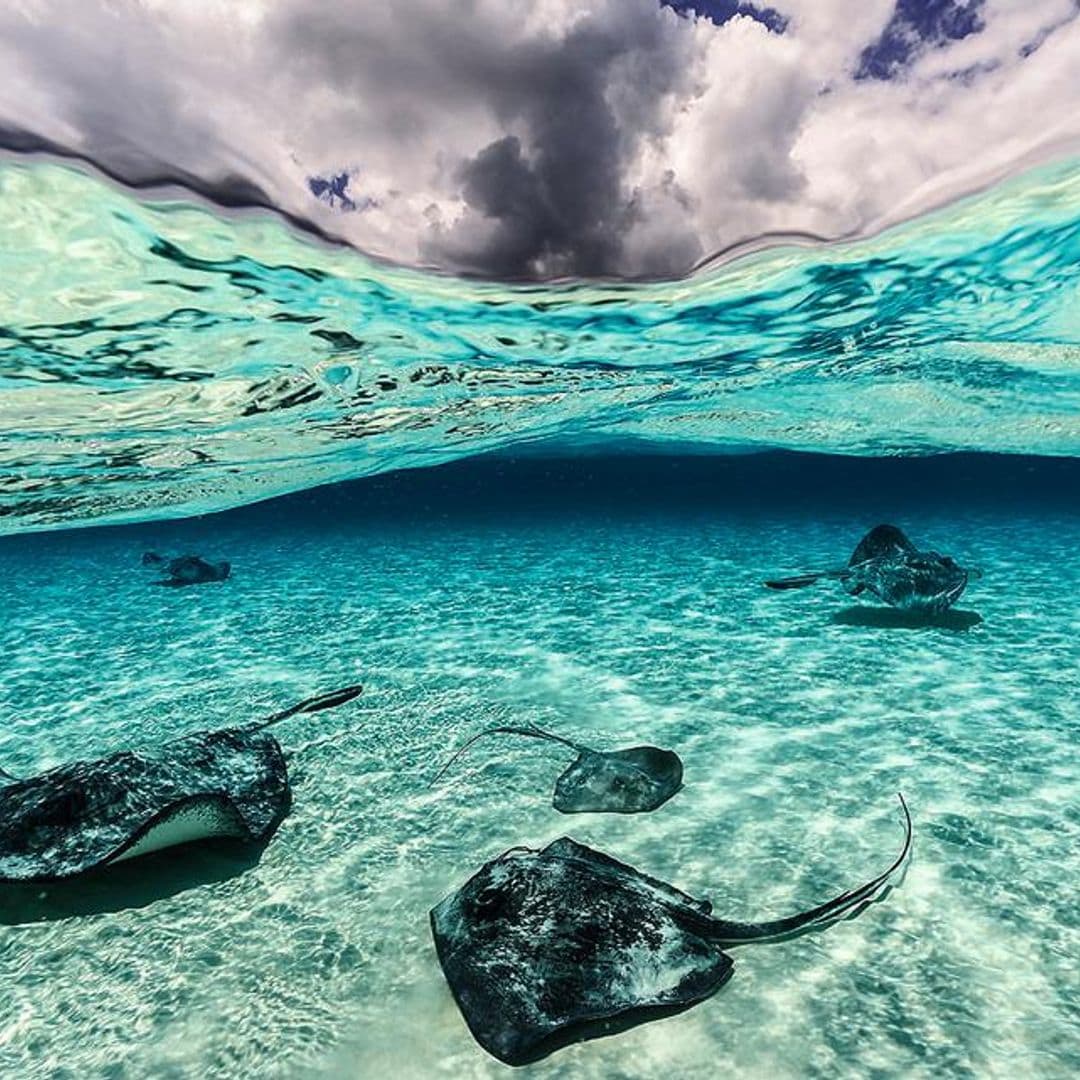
{"x": 840, "y": 907}
{"x": 329, "y": 700}
{"x": 801, "y": 581}
{"x": 531, "y": 731}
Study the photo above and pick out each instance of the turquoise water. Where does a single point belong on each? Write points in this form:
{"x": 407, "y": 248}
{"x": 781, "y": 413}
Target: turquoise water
{"x": 598, "y": 574}
{"x": 618, "y": 601}
{"x": 158, "y": 359}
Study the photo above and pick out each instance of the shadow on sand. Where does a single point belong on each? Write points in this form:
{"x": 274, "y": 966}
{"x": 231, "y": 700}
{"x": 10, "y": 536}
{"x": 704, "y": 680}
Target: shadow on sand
{"x": 127, "y": 885}
{"x": 885, "y": 618}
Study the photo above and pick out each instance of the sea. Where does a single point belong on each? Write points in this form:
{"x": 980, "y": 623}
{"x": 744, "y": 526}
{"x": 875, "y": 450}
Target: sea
{"x": 552, "y": 504}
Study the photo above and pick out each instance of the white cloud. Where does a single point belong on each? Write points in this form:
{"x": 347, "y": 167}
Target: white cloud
{"x": 513, "y": 137}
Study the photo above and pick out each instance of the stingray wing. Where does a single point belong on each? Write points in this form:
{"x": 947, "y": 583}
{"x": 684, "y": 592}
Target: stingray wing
{"x": 544, "y": 948}
{"x": 90, "y": 813}
{"x": 925, "y": 582}
{"x": 882, "y": 541}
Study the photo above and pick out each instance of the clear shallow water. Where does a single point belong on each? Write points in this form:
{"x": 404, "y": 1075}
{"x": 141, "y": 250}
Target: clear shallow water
{"x": 619, "y": 610}
{"x": 159, "y": 359}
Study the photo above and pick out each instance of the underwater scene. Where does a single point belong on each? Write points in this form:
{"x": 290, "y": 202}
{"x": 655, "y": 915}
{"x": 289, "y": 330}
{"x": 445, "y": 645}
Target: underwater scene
{"x": 616, "y": 602}
{"x": 539, "y": 640}
{"x": 579, "y": 543}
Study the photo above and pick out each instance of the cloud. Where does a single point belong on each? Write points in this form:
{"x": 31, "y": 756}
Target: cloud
{"x": 540, "y": 138}
{"x": 550, "y": 199}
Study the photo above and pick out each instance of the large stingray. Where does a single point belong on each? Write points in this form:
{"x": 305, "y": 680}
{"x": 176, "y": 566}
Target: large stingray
{"x": 544, "y": 948}
{"x": 186, "y": 569}
{"x": 630, "y": 781}
{"x": 89, "y": 814}
{"x": 888, "y": 565}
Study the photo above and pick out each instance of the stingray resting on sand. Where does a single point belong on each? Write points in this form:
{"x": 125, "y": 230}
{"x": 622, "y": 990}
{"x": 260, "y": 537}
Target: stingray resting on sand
{"x": 186, "y": 570}
{"x": 888, "y": 565}
{"x": 89, "y": 814}
{"x": 631, "y": 781}
{"x": 545, "y": 948}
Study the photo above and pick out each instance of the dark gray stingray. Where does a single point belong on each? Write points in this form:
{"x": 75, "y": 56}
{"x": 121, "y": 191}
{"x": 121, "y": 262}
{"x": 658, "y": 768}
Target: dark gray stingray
{"x": 89, "y": 814}
{"x": 186, "y": 570}
{"x": 887, "y": 564}
{"x": 630, "y": 781}
{"x": 545, "y": 948}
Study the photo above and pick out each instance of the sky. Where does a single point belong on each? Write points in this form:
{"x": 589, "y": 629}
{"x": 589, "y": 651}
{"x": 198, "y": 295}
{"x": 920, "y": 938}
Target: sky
{"x": 523, "y": 139}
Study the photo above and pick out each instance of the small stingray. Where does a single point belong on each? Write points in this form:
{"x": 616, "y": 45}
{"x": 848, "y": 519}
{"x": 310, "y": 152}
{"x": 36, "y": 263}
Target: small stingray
{"x": 186, "y": 570}
{"x": 90, "y": 814}
{"x": 630, "y": 781}
{"x": 545, "y": 948}
{"x": 887, "y": 564}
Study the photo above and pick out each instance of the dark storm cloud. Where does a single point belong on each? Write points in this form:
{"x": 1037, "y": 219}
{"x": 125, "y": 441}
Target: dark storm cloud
{"x": 549, "y": 195}
{"x": 556, "y": 195}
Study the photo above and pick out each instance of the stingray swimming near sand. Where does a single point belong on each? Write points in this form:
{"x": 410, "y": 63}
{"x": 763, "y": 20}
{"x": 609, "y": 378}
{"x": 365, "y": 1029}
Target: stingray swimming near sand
{"x": 186, "y": 569}
{"x": 630, "y": 781}
{"x": 887, "y": 565}
{"x": 87, "y": 815}
{"x": 545, "y": 948}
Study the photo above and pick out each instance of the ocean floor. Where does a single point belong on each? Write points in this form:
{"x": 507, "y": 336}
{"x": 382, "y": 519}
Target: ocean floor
{"x": 620, "y": 615}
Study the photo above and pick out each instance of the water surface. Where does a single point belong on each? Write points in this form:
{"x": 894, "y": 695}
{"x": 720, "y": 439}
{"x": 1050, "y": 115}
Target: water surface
{"x": 158, "y": 359}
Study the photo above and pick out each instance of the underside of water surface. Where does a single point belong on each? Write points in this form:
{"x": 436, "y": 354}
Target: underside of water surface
{"x": 157, "y": 358}
{"x": 554, "y": 505}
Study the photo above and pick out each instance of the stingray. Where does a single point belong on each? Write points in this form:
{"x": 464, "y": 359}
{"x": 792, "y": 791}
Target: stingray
{"x": 630, "y": 781}
{"x": 186, "y": 570}
{"x": 545, "y": 948}
{"x": 888, "y": 565}
{"x": 90, "y": 814}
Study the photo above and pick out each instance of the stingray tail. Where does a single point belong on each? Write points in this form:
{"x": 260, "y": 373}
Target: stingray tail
{"x": 801, "y": 581}
{"x": 531, "y": 732}
{"x": 315, "y": 704}
{"x": 840, "y": 907}
{"x": 5, "y": 775}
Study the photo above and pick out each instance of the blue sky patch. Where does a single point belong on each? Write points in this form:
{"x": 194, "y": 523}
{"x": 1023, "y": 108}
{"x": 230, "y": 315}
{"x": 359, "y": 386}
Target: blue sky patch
{"x": 720, "y": 11}
{"x": 332, "y": 190}
{"x": 915, "y": 26}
